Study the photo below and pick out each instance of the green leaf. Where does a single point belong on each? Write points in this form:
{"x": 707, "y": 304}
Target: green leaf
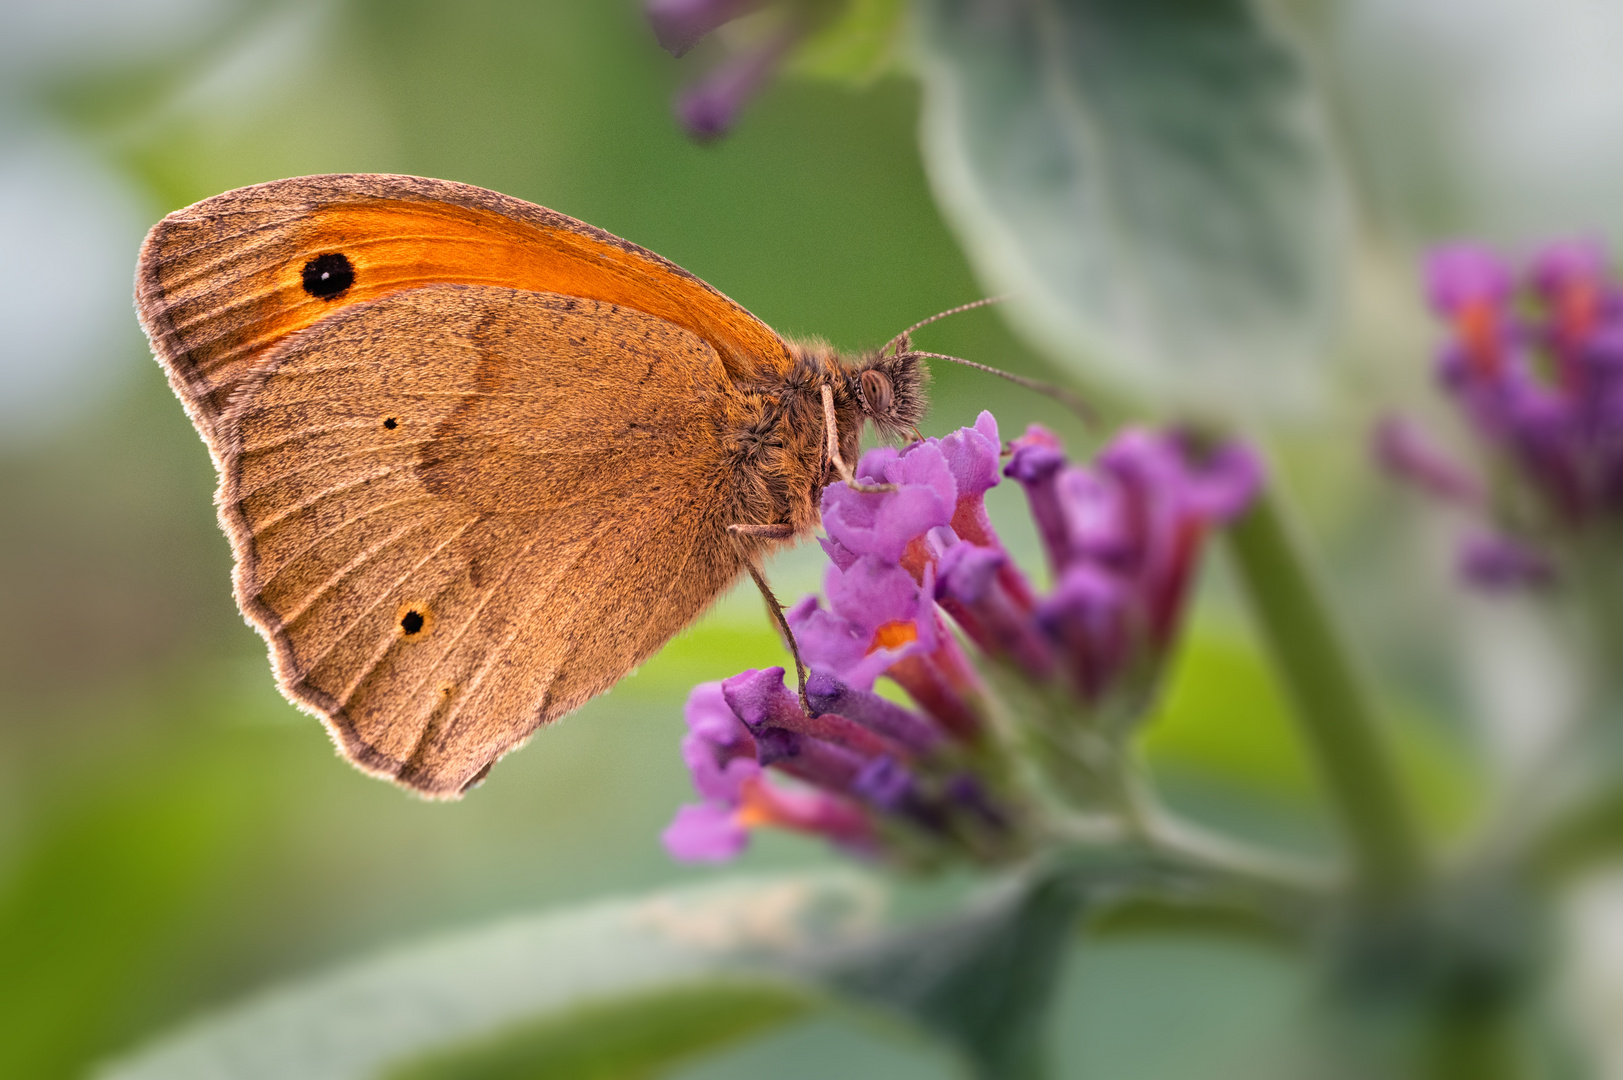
{"x": 1152, "y": 181}
{"x": 983, "y": 979}
{"x": 616, "y": 988}
{"x": 639, "y": 1036}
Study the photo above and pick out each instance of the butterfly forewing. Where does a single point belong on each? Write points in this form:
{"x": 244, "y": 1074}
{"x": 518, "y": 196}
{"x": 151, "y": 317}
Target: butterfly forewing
{"x": 221, "y": 283}
{"x": 445, "y": 541}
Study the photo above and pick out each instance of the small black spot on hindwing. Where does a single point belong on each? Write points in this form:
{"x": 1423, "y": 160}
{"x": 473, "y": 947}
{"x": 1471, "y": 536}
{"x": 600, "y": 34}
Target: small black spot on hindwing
{"x": 390, "y": 422}
{"x": 327, "y": 276}
{"x": 412, "y": 623}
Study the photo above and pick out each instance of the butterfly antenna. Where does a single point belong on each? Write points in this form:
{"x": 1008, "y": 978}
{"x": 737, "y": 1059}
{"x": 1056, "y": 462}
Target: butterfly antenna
{"x": 901, "y": 338}
{"x": 1071, "y": 401}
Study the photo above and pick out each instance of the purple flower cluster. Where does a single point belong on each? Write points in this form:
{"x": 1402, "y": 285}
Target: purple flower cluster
{"x": 709, "y": 108}
{"x": 1534, "y": 361}
{"x": 1122, "y": 537}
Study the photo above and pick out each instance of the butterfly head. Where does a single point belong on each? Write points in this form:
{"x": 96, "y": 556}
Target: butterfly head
{"x": 890, "y": 390}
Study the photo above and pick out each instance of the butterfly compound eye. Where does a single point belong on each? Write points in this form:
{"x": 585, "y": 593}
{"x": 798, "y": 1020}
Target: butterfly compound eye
{"x": 327, "y": 276}
{"x": 876, "y": 392}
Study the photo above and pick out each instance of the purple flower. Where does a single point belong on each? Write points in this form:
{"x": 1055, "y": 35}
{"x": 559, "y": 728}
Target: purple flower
{"x": 726, "y": 760}
{"x": 814, "y": 761}
{"x": 875, "y": 593}
{"x": 1537, "y": 371}
{"x": 762, "y": 701}
{"x": 876, "y": 616}
{"x": 1571, "y": 277}
{"x": 705, "y": 832}
{"x": 1095, "y": 517}
{"x": 1223, "y": 482}
{"x": 709, "y": 108}
{"x": 718, "y": 749}
{"x": 1087, "y": 616}
{"x": 828, "y": 694}
{"x": 828, "y": 751}
{"x": 884, "y": 524}
{"x": 1123, "y": 535}
{"x": 1035, "y": 465}
{"x": 972, "y": 590}
{"x": 854, "y": 777}
{"x": 1497, "y": 563}
{"x": 1173, "y": 496}
{"x": 1408, "y": 451}
{"x": 759, "y": 698}
{"x": 679, "y": 24}
{"x": 885, "y": 783}
{"x": 879, "y": 621}
{"x": 972, "y": 457}
{"x": 1463, "y": 276}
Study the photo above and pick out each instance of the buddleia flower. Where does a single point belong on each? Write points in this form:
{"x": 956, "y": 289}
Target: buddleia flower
{"x": 921, "y": 592}
{"x": 1533, "y": 360}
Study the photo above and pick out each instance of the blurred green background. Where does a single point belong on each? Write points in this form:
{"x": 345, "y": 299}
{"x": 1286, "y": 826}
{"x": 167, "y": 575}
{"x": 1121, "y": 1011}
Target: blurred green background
{"x": 173, "y": 835}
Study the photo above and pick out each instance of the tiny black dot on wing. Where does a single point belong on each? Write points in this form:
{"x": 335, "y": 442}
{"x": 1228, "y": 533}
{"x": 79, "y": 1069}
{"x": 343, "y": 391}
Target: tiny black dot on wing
{"x": 391, "y": 423}
{"x": 327, "y": 276}
{"x": 411, "y": 622}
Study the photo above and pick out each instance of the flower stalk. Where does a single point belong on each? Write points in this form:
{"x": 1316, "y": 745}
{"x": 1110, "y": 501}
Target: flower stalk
{"x": 1332, "y": 705}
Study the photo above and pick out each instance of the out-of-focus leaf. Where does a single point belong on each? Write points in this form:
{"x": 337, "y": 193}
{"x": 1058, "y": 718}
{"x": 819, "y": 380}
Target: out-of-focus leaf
{"x": 1159, "y": 917}
{"x": 626, "y": 1040}
{"x": 1150, "y": 179}
{"x": 1223, "y": 719}
{"x": 856, "y": 47}
{"x": 628, "y": 988}
{"x": 111, "y": 887}
{"x": 1222, "y": 715}
{"x": 984, "y": 979}
{"x": 563, "y": 988}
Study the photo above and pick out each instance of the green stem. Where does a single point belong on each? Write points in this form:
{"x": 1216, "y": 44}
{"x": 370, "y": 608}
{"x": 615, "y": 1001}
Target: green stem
{"x": 1332, "y": 706}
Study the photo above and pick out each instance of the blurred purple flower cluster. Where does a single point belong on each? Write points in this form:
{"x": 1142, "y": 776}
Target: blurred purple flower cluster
{"x": 1534, "y": 362}
{"x": 1122, "y": 536}
{"x": 708, "y": 108}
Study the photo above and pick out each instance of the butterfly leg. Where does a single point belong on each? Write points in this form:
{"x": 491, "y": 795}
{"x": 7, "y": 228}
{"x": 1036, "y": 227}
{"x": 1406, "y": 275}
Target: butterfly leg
{"x": 780, "y": 531}
{"x": 833, "y": 428}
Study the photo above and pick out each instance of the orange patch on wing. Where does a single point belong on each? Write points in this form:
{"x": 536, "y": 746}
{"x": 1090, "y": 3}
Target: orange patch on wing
{"x": 396, "y": 245}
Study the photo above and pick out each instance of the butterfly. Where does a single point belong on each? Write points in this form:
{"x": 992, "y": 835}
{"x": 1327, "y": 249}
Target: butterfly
{"x": 477, "y": 459}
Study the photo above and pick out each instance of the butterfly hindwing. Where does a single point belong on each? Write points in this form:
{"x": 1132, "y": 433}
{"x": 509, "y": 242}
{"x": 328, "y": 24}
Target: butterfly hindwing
{"x": 460, "y": 511}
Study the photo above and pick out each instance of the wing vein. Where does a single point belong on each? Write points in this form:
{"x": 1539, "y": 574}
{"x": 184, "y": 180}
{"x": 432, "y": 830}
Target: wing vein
{"x": 243, "y": 496}
{"x": 354, "y": 684}
{"x": 348, "y": 568}
{"x": 466, "y": 693}
{"x": 305, "y": 433}
{"x": 368, "y": 512}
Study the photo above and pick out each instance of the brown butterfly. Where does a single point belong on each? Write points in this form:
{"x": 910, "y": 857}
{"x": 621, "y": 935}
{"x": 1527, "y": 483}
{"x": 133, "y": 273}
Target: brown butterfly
{"x": 478, "y": 459}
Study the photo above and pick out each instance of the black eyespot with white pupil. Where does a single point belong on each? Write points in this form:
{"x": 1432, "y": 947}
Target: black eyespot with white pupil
{"x": 327, "y": 276}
